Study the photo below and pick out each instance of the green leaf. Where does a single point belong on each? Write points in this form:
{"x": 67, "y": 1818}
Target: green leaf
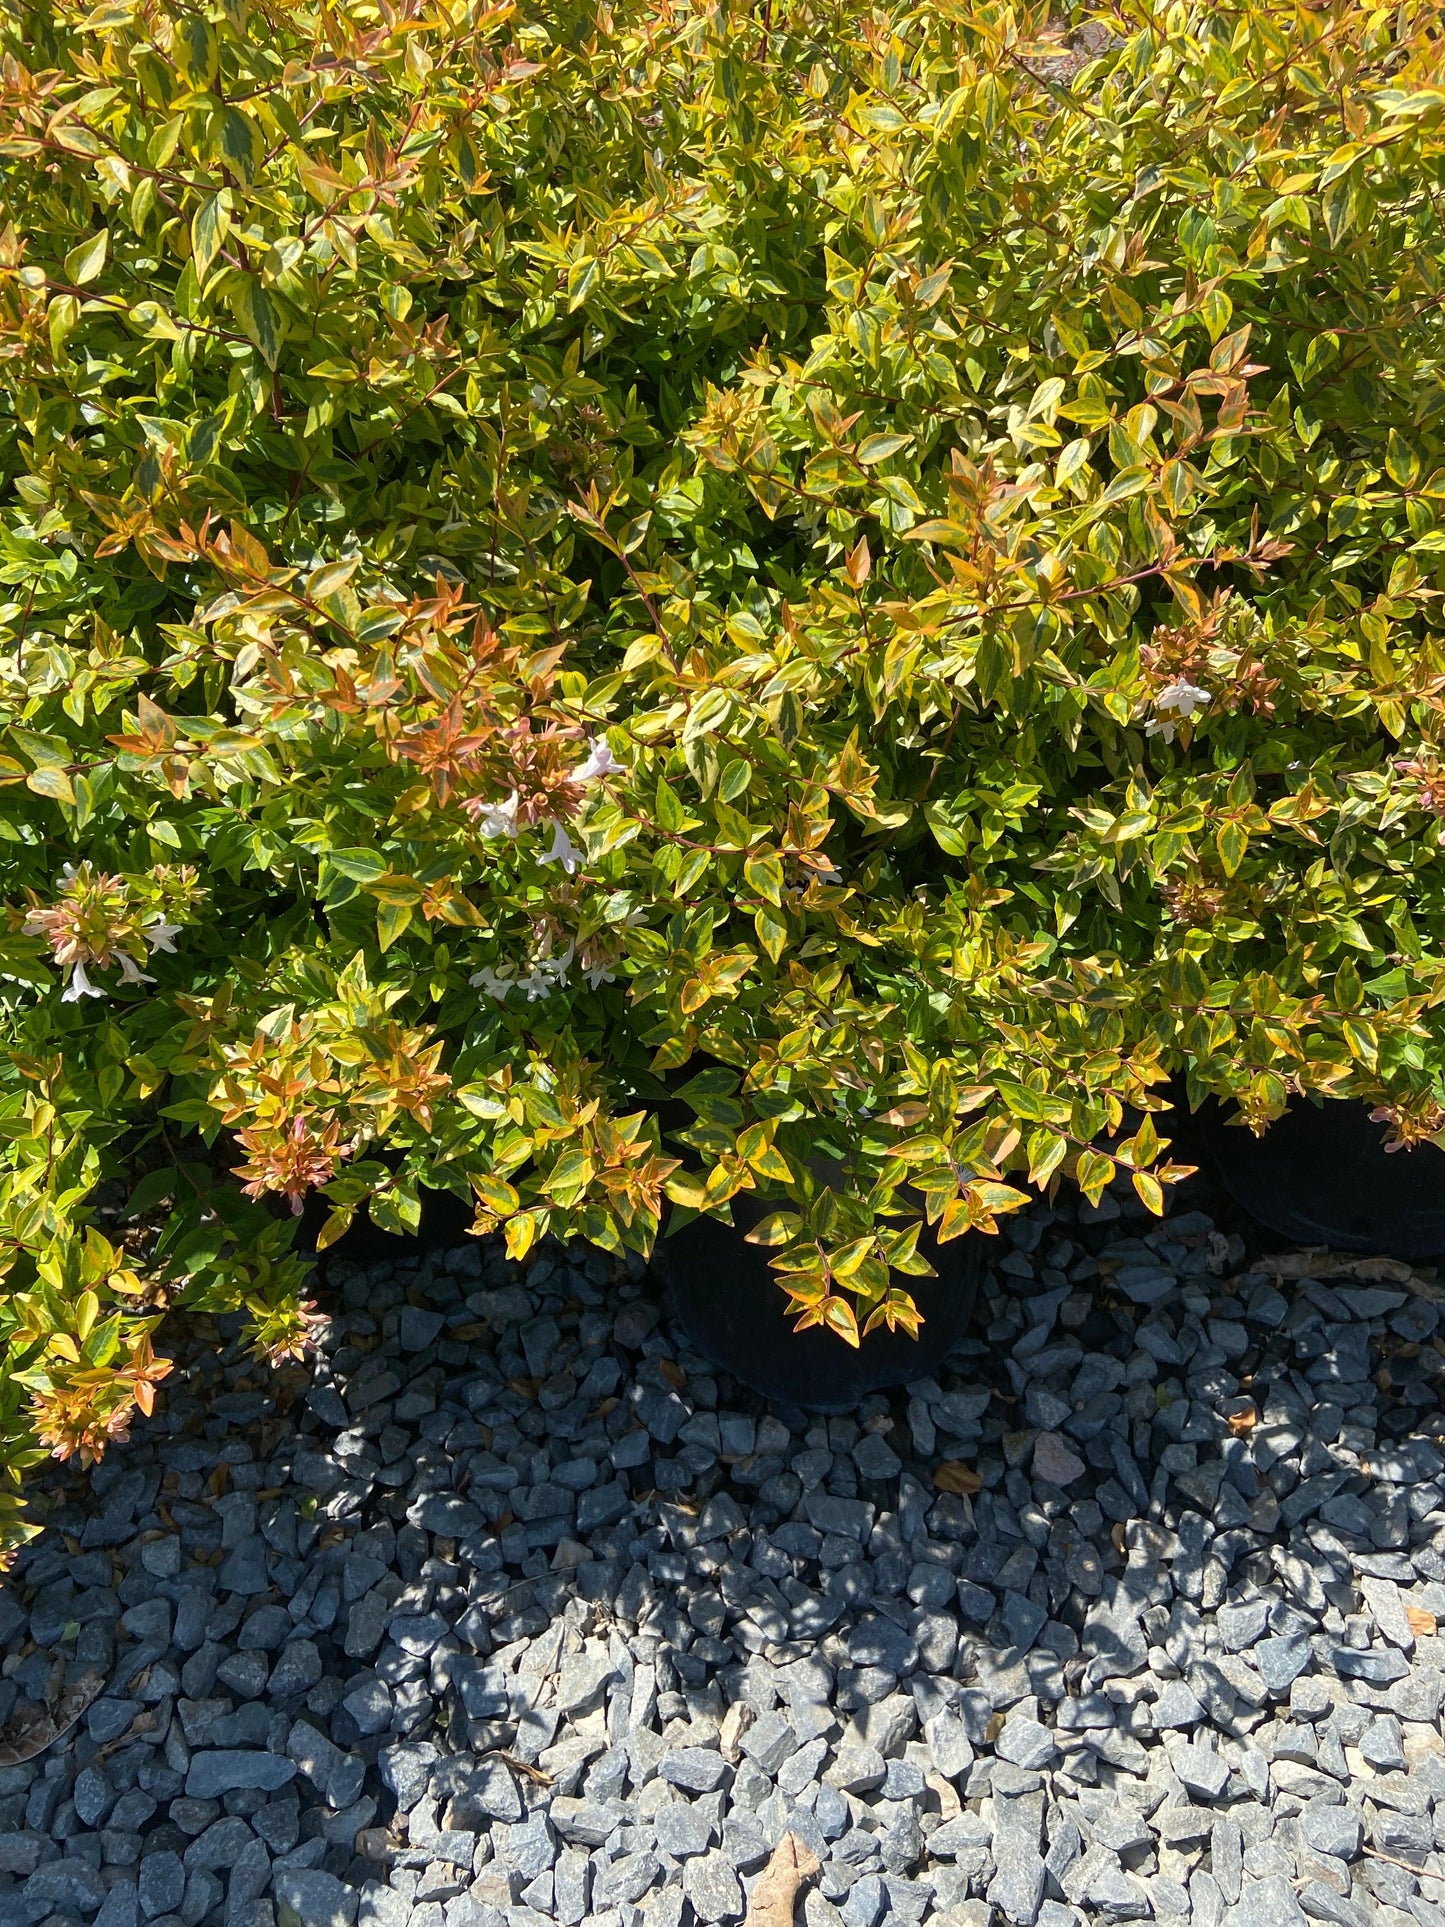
{"x": 877, "y": 448}
{"x": 764, "y": 873}
{"x": 84, "y": 263}
{"x": 362, "y": 866}
{"x": 259, "y": 316}
{"x": 196, "y": 52}
{"x": 210, "y": 224}
{"x": 1072, "y": 458}
{"x": 237, "y": 143}
{"x": 772, "y": 932}
{"x": 1232, "y": 842}
{"x": 1128, "y": 482}
{"x": 392, "y": 921}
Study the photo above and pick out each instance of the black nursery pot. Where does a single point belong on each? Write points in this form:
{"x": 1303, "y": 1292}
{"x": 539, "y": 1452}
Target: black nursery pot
{"x": 445, "y": 1221}
{"x": 730, "y": 1304}
{"x": 1320, "y": 1175}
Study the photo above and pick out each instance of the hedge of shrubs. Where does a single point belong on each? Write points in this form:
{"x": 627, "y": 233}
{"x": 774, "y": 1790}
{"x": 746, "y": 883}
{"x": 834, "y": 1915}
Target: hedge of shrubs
{"x": 871, "y": 571}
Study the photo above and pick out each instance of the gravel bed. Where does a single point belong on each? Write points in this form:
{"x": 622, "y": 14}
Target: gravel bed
{"x": 516, "y": 1613}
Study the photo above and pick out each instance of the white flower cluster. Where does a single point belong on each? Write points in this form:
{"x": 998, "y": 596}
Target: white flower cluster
{"x": 545, "y": 976}
{"x": 547, "y": 973}
{"x": 1178, "y": 701}
{"x": 500, "y": 819}
{"x": 158, "y": 934}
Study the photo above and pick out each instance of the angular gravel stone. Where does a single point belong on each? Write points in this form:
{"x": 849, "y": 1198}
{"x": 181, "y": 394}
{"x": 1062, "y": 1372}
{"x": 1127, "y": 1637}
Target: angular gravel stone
{"x": 1331, "y": 1829}
{"x": 1281, "y": 1661}
{"x": 1026, "y": 1743}
{"x": 1199, "y": 1770}
{"x": 1055, "y": 1462}
{"x": 769, "y": 1742}
{"x": 64, "y": 1886}
{"x": 212, "y": 1774}
{"x": 1269, "y": 1902}
{"x": 710, "y": 1882}
{"x": 682, "y": 1830}
{"x": 697, "y": 1768}
{"x": 161, "y": 1885}
{"x": 316, "y": 1899}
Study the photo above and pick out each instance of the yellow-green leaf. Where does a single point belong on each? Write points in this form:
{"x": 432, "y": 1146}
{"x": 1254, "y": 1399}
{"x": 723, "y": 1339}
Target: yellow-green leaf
{"x": 52, "y": 782}
{"x": 877, "y": 448}
{"x": 392, "y": 920}
{"x": 259, "y": 315}
{"x": 338, "y": 1222}
{"x": 210, "y": 224}
{"x": 85, "y": 262}
{"x": 237, "y": 143}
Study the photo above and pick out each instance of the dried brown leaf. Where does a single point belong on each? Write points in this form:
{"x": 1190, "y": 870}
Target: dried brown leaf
{"x": 952, "y": 1475}
{"x": 532, "y": 1773}
{"x": 1421, "y": 1621}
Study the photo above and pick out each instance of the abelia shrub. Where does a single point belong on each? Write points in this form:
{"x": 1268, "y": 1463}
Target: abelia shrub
{"x": 859, "y": 581}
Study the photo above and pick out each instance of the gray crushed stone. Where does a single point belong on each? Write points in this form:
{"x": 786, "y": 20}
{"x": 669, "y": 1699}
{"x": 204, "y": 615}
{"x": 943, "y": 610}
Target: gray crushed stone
{"x": 516, "y": 1612}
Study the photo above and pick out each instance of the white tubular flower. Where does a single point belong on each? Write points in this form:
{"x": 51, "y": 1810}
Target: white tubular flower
{"x": 492, "y": 981}
{"x": 1184, "y": 697}
{"x": 499, "y": 819}
{"x": 598, "y": 975}
{"x": 563, "y": 851}
{"x": 79, "y": 986}
{"x": 1177, "y": 702}
{"x": 548, "y": 974}
{"x": 130, "y": 971}
{"x": 599, "y": 762}
{"x": 159, "y": 933}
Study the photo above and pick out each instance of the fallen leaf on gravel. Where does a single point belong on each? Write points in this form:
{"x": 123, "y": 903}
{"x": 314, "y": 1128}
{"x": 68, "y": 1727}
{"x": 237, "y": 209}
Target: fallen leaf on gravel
{"x": 954, "y": 1476}
{"x": 533, "y": 1773}
{"x": 771, "y": 1902}
{"x": 1320, "y": 1262}
{"x": 1242, "y": 1423}
{"x": 1421, "y": 1621}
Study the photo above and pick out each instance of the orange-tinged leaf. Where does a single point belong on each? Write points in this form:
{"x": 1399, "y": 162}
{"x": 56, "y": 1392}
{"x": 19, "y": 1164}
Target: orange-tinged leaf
{"x": 840, "y": 1317}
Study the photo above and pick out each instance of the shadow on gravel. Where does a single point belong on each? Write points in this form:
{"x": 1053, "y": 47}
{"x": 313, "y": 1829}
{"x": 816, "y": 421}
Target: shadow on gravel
{"x": 517, "y": 1613}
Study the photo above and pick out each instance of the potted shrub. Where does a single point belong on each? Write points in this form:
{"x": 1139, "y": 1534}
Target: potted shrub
{"x": 872, "y": 573}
